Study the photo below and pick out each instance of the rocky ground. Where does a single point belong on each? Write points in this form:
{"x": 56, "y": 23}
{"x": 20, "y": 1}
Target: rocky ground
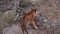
{"x": 47, "y": 19}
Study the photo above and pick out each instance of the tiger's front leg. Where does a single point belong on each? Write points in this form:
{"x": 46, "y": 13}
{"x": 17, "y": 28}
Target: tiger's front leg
{"x": 34, "y": 25}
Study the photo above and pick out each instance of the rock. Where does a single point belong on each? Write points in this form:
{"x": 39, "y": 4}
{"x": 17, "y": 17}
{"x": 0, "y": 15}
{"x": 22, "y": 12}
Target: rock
{"x": 6, "y": 5}
{"x": 14, "y": 29}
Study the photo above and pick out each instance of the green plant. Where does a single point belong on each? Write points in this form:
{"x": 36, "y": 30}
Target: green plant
{"x": 23, "y": 3}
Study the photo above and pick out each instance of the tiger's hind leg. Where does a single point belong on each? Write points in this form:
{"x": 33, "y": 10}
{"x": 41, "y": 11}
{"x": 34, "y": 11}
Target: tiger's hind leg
{"x": 24, "y": 29}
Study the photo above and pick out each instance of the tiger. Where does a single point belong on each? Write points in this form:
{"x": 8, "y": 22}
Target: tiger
{"x": 29, "y": 19}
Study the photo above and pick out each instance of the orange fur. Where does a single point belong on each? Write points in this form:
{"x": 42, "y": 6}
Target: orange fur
{"x": 27, "y": 19}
